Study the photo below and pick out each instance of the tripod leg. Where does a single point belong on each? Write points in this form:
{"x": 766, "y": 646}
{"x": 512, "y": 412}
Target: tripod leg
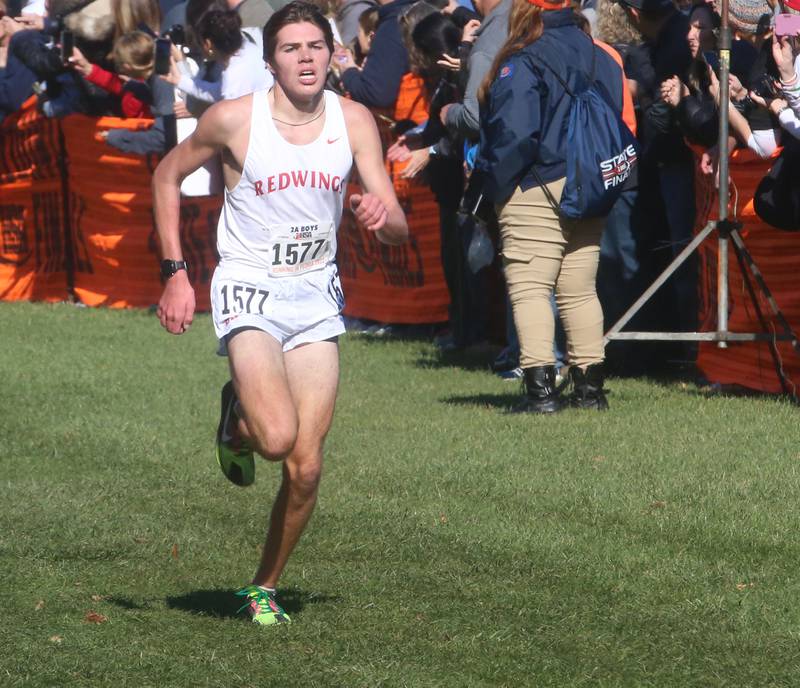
{"x": 773, "y": 348}
{"x": 663, "y": 277}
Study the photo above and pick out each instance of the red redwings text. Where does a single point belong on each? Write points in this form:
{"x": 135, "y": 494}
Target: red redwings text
{"x": 298, "y": 179}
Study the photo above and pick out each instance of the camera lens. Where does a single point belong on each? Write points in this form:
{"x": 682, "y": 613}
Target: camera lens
{"x": 177, "y": 34}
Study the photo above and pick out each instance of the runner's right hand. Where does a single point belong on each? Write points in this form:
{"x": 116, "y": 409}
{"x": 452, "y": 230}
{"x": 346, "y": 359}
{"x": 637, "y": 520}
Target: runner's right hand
{"x": 177, "y": 304}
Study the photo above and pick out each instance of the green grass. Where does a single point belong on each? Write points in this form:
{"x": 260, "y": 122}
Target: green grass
{"x": 453, "y": 544}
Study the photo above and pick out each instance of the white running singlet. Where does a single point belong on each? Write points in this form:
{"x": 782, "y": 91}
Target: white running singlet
{"x": 276, "y": 236}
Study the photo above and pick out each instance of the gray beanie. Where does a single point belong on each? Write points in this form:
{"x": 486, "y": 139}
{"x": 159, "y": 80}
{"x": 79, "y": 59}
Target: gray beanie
{"x": 745, "y": 15}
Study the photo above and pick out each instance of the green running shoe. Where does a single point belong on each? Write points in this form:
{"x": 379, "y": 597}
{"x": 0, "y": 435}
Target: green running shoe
{"x": 262, "y": 606}
{"x": 234, "y": 456}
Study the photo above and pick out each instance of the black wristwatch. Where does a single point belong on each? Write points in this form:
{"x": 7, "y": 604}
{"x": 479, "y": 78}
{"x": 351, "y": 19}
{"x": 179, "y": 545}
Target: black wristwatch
{"x": 170, "y": 267}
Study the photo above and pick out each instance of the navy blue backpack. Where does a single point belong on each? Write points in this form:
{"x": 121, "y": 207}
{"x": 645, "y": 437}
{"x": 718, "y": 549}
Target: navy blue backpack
{"x": 601, "y": 155}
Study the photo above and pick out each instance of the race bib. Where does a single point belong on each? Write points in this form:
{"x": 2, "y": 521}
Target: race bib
{"x": 234, "y": 298}
{"x": 300, "y": 248}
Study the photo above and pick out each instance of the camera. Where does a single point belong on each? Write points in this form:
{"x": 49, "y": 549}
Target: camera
{"x": 163, "y": 55}
{"x": 765, "y": 87}
{"x": 176, "y": 34}
{"x": 67, "y": 43}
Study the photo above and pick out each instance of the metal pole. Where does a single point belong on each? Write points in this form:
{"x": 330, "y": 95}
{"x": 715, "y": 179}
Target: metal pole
{"x": 722, "y": 241}
{"x": 727, "y": 231}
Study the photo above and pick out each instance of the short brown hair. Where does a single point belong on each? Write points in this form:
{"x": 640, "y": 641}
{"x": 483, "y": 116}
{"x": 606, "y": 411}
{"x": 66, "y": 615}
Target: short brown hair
{"x": 136, "y": 49}
{"x": 295, "y": 12}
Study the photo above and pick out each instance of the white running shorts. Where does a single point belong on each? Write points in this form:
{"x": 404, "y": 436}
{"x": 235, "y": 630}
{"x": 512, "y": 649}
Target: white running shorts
{"x": 293, "y": 310}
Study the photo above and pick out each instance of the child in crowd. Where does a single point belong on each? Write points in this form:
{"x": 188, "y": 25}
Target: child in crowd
{"x": 133, "y": 56}
{"x": 345, "y": 58}
{"x": 367, "y": 23}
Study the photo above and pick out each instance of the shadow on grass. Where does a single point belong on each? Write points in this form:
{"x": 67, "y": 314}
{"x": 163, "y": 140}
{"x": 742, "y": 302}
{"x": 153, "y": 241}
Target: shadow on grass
{"x": 223, "y": 603}
{"x": 126, "y": 603}
{"x": 469, "y": 358}
{"x": 373, "y": 332}
{"x": 501, "y": 402}
{"x": 693, "y": 382}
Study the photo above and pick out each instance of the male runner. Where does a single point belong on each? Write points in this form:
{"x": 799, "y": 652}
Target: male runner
{"x": 276, "y": 298}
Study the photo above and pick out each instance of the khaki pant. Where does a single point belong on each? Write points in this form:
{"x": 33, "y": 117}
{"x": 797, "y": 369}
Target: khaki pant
{"x": 542, "y": 253}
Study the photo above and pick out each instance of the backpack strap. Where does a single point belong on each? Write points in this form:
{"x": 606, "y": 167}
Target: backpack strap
{"x": 547, "y": 193}
{"x": 591, "y": 74}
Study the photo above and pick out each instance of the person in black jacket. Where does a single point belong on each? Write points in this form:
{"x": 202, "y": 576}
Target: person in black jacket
{"x": 694, "y": 100}
{"x": 524, "y": 125}
{"x": 665, "y": 209}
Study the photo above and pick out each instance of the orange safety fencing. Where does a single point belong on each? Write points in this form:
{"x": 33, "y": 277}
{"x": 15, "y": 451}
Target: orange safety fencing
{"x": 116, "y": 248}
{"x": 33, "y": 254}
{"x": 76, "y": 216}
{"x": 76, "y": 223}
{"x": 776, "y": 254}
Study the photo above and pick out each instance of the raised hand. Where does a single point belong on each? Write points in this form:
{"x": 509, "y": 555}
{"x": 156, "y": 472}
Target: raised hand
{"x": 79, "y": 62}
{"x": 398, "y": 151}
{"x": 468, "y": 34}
{"x": 418, "y": 161}
{"x": 451, "y": 64}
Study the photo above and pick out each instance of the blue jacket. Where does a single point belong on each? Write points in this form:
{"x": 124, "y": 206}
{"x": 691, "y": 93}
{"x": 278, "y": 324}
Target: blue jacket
{"x": 524, "y": 121}
{"x": 378, "y": 84}
{"x": 16, "y": 84}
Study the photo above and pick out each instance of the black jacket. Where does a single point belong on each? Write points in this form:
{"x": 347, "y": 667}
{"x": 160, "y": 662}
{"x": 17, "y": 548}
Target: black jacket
{"x": 650, "y": 64}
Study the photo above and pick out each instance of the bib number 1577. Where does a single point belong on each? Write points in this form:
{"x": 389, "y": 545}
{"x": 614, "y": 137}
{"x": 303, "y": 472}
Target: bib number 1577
{"x": 241, "y": 298}
{"x": 297, "y": 253}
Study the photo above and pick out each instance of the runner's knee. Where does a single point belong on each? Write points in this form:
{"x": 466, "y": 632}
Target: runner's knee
{"x": 305, "y": 476}
{"x": 274, "y": 440}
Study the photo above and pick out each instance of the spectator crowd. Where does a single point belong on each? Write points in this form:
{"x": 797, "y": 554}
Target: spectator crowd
{"x": 170, "y": 59}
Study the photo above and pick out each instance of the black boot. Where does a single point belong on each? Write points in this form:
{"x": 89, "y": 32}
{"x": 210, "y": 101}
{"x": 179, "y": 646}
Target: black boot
{"x": 587, "y": 387}
{"x": 541, "y": 393}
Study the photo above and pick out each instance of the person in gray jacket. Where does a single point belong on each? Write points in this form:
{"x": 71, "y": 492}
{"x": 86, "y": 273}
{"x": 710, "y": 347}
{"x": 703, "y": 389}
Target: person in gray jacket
{"x": 347, "y": 16}
{"x": 463, "y": 118}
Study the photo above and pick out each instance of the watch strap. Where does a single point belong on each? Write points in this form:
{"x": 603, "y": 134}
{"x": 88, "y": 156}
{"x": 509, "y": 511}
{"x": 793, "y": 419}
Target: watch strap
{"x": 170, "y": 267}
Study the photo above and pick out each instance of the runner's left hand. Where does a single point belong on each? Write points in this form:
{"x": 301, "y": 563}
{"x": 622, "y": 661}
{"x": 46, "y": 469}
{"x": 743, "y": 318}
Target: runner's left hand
{"x": 369, "y": 211}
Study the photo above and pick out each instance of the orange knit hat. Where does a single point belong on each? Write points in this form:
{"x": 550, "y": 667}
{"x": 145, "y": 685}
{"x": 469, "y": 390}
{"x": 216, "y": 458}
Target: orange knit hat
{"x": 551, "y": 4}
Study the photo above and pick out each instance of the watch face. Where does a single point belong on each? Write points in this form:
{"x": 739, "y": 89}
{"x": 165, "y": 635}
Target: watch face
{"x": 170, "y": 267}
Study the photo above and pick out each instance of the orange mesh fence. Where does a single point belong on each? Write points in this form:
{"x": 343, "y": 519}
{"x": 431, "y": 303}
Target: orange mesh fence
{"x": 776, "y": 255}
{"x": 76, "y": 216}
{"x": 112, "y": 221}
{"x": 76, "y": 221}
{"x": 29, "y": 146}
{"x": 34, "y": 256}
{"x": 396, "y": 284}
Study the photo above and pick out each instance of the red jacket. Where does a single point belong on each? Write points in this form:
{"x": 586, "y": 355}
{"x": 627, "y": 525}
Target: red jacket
{"x": 108, "y": 81}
